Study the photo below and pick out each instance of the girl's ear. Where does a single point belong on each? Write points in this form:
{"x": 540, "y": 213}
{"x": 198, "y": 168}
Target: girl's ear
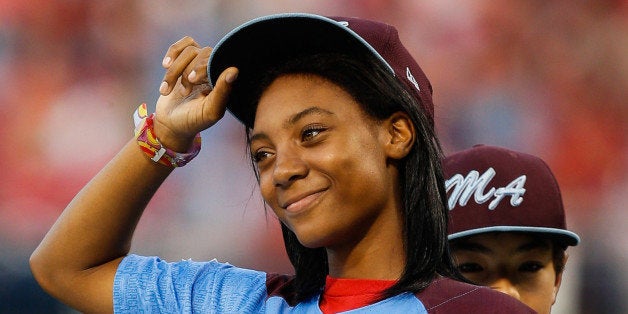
{"x": 400, "y": 135}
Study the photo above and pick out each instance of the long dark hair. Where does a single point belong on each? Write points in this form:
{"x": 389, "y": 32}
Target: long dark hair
{"x": 425, "y": 213}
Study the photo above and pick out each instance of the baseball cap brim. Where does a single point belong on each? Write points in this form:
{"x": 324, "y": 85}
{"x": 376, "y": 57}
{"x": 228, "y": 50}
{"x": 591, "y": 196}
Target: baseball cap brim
{"x": 565, "y": 237}
{"x": 270, "y": 40}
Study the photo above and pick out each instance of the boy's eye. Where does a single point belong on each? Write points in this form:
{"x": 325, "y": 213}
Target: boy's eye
{"x": 531, "y": 267}
{"x": 470, "y": 268}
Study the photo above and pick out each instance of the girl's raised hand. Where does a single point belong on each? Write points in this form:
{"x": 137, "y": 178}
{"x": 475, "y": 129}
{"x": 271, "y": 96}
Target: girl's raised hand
{"x": 188, "y": 104}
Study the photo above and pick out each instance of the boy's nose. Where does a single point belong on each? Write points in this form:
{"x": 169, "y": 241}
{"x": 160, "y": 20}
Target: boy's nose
{"x": 505, "y": 286}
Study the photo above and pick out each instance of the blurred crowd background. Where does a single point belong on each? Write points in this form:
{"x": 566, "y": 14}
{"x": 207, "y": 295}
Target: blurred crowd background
{"x": 545, "y": 77}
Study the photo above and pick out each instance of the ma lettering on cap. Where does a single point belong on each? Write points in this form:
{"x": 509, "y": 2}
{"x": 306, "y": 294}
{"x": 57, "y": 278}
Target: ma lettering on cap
{"x": 494, "y": 189}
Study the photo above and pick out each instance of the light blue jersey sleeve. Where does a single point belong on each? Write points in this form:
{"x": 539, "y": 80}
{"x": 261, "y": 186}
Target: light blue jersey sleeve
{"x": 150, "y": 285}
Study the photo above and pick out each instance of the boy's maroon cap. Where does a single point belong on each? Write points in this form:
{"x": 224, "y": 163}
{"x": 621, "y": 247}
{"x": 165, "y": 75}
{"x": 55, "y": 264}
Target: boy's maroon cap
{"x": 255, "y": 45}
{"x": 494, "y": 189}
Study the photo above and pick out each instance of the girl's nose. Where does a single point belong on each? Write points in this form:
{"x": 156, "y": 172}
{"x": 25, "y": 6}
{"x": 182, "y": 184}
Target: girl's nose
{"x": 288, "y": 168}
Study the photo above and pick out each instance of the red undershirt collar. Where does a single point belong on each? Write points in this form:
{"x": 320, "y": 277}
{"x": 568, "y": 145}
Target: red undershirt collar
{"x": 347, "y": 294}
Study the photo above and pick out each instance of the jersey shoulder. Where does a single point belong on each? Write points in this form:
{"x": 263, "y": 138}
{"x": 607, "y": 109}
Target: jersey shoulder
{"x": 445, "y": 295}
{"x": 278, "y": 285}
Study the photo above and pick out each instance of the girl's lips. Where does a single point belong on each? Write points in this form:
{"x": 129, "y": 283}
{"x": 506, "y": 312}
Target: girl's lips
{"x": 303, "y": 203}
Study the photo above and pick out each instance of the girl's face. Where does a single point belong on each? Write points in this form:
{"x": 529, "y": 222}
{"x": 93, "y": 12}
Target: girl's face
{"x": 323, "y": 163}
{"x": 515, "y": 263}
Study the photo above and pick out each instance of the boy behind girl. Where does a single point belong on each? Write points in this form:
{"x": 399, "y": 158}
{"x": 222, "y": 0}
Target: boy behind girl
{"x": 507, "y": 223}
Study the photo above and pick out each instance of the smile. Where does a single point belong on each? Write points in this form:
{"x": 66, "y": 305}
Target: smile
{"x": 300, "y": 203}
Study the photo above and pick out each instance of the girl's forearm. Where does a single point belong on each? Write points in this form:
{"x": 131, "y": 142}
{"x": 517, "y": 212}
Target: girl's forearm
{"x": 95, "y": 229}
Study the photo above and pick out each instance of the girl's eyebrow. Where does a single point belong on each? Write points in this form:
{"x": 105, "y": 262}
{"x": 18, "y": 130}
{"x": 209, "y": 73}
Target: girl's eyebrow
{"x": 304, "y": 113}
{"x": 258, "y": 136}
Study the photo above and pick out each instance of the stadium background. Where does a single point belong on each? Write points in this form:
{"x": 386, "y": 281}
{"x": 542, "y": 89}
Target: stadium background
{"x": 545, "y": 77}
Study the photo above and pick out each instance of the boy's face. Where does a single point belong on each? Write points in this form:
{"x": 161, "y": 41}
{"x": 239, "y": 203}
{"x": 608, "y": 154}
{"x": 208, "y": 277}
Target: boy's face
{"x": 518, "y": 264}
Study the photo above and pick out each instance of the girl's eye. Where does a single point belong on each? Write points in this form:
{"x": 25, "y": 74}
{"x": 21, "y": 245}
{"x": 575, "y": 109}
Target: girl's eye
{"x": 470, "y": 268}
{"x": 531, "y": 267}
{"x": 310, "y": 132}
{"x": 260, "y": 156}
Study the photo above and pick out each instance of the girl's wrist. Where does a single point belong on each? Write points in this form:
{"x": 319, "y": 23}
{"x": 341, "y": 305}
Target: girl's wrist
{"x": 168, "y": 139}
{"x": 167, "y": 150}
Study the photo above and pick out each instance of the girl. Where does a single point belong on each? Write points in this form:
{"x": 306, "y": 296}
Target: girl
{"x": 340, "y": 131}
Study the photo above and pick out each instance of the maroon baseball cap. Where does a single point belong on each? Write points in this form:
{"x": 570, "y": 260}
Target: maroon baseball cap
{"x": 494, "y": 189}
{"x": 255, "y": 45}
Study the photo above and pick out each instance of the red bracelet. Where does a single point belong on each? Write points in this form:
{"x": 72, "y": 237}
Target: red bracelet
{"x": 149, "y": 144}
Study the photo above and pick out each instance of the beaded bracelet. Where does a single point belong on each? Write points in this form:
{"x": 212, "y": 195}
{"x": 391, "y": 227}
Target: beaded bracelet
{"x": 150, "y": 145}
